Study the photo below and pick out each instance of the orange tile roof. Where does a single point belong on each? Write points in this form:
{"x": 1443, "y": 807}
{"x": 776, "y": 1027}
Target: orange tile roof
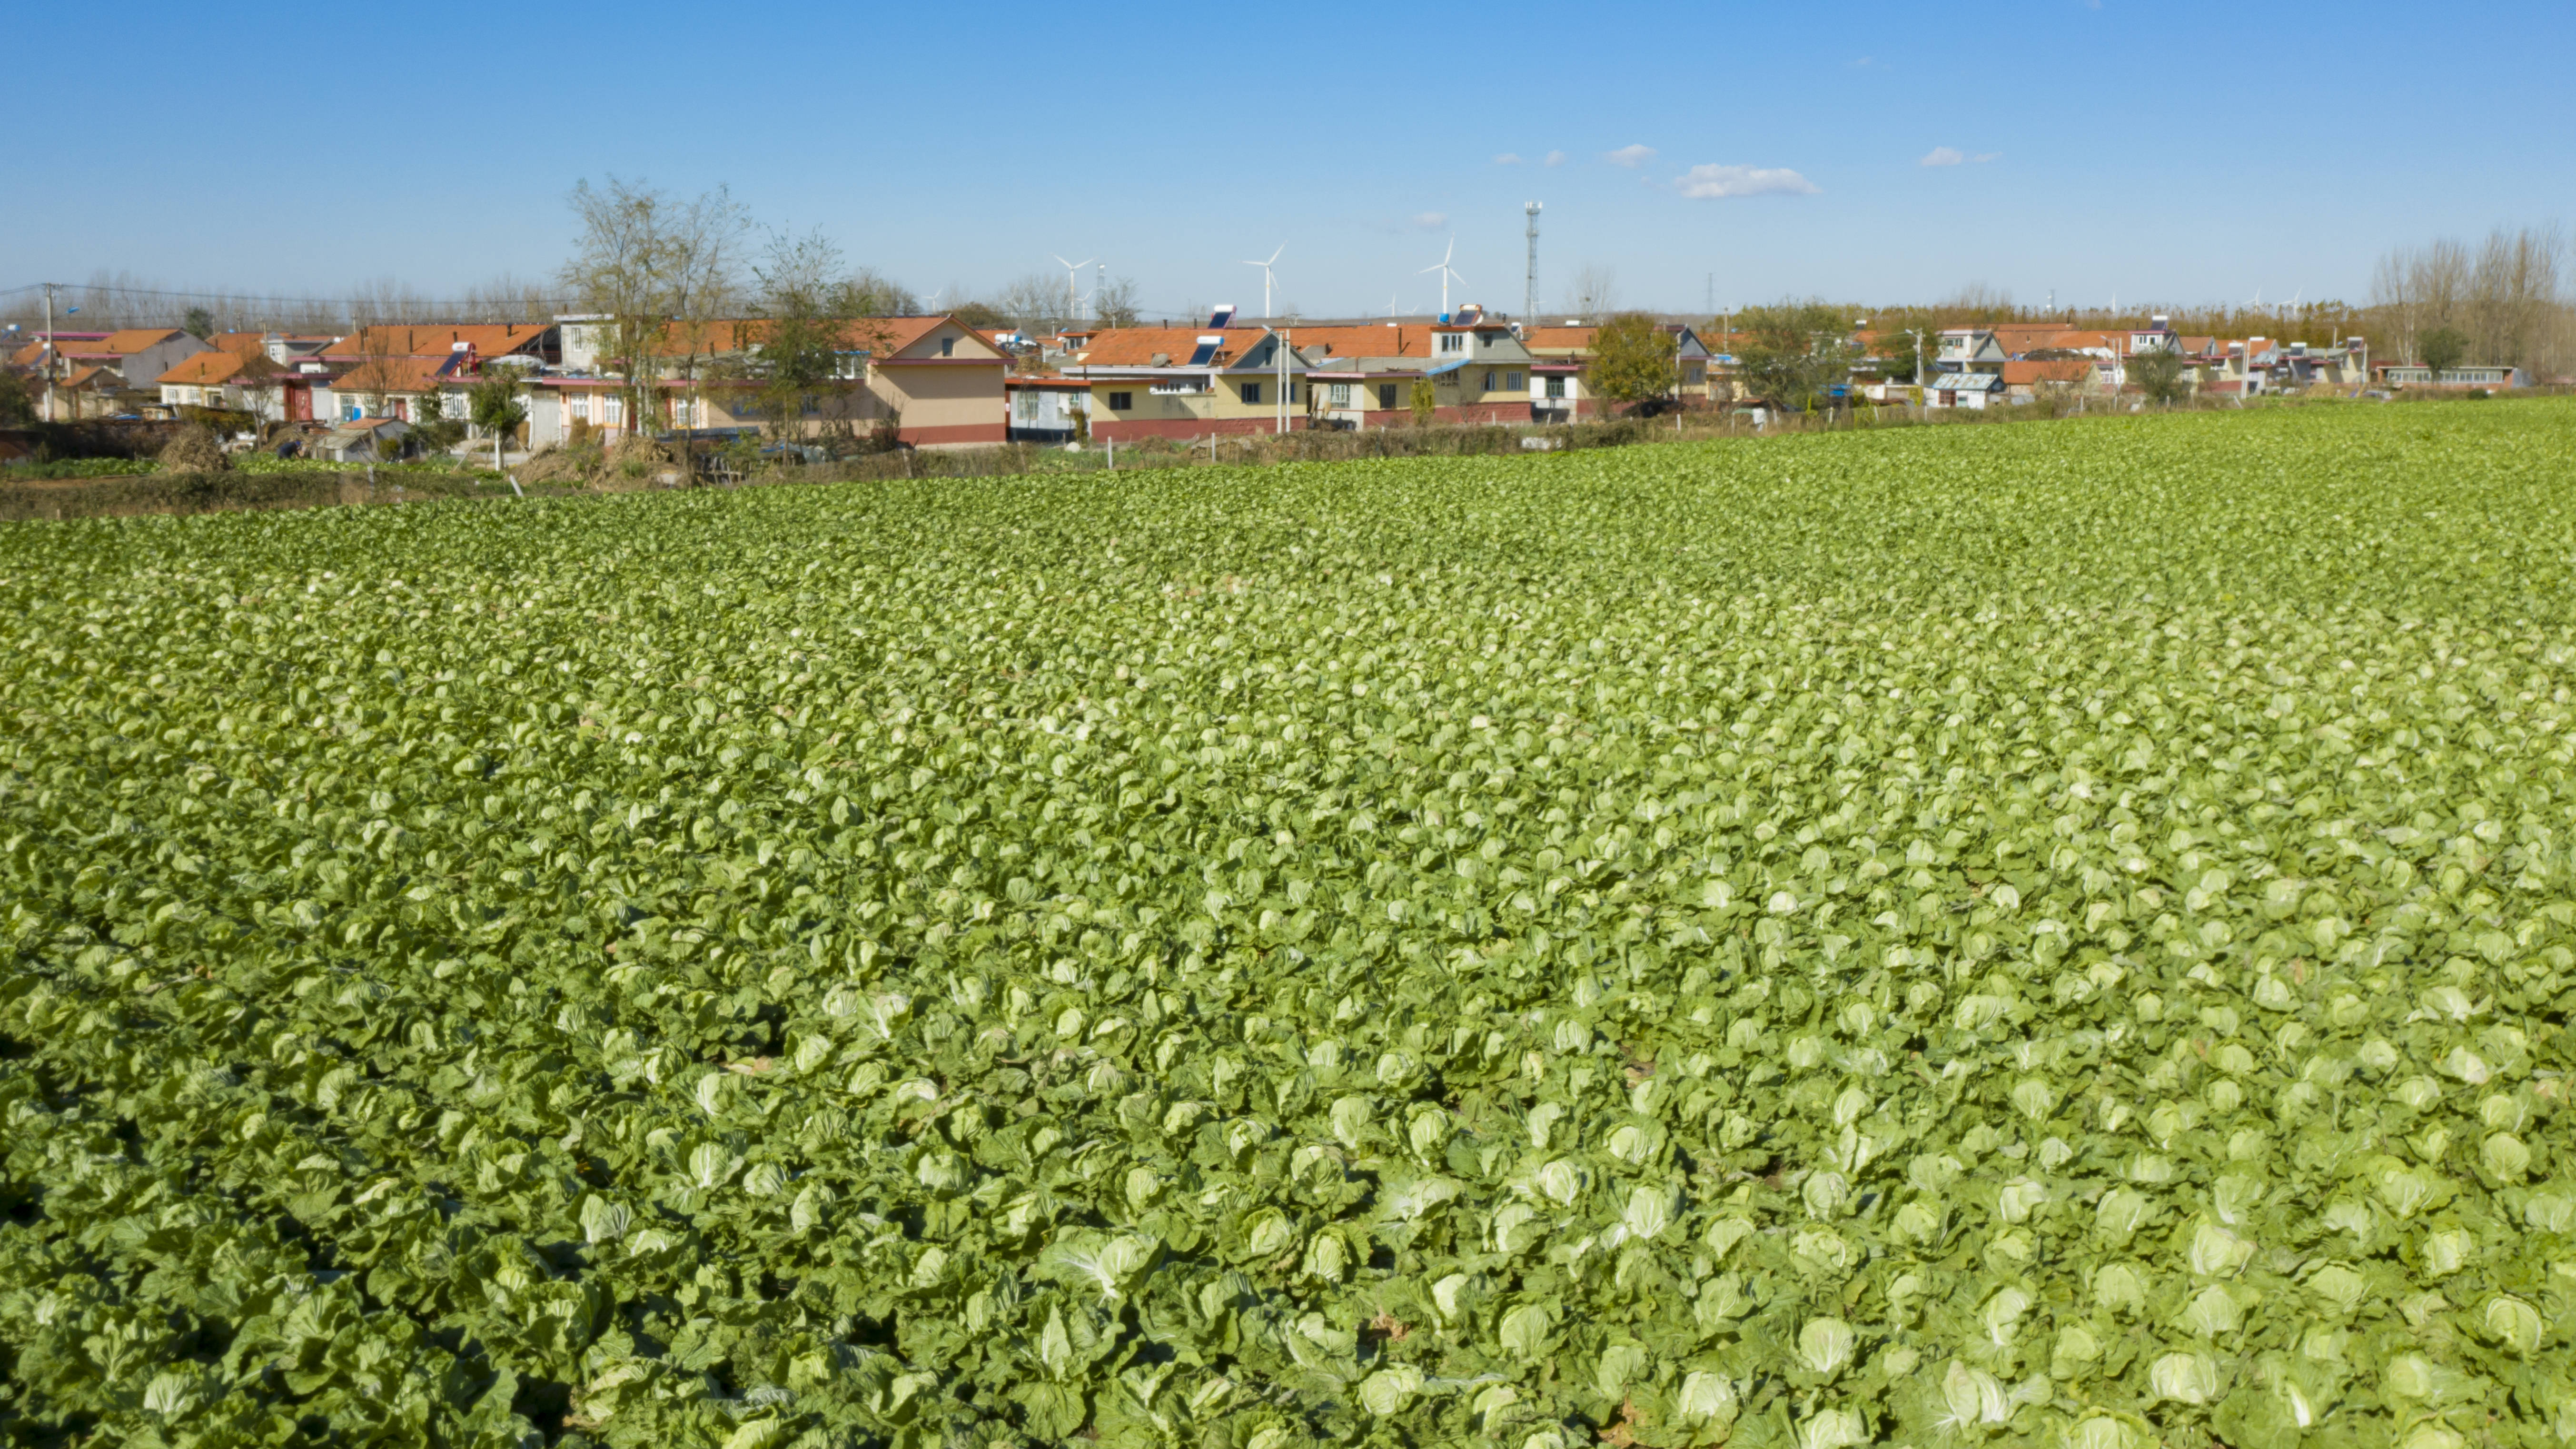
{"x": 1138, "y": 346}
{"x": 489, "y": 339}
{"x": 241, "y": 344}
{"x": 392, "y": 374}
{"x": 1401, "y": 340}
{"x": 134, "y": 339}
{"x": 84, "y": 376}
{"x": 2063, "y": 370}
{"x": 1558, "y": 339}
{"x": 204, "y": 369}
{"x": 888, "y": 335}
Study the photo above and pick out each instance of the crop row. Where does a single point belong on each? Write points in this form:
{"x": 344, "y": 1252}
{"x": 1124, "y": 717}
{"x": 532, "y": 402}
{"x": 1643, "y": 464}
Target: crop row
{"x": 2045, "y": 933}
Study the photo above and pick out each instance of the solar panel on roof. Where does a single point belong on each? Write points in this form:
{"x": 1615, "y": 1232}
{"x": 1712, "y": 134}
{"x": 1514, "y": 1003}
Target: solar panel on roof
{"x": 1223, "y": 316}
{"x": 1206, "y": 350}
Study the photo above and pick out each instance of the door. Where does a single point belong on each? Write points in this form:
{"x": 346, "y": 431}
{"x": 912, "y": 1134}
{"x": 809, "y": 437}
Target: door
{"x": 299, "y": 402}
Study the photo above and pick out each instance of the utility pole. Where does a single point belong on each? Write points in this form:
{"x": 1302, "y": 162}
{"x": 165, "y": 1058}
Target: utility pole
{"x": 1529, "y": 281}
{"x": 49, "y": 352}
{"x": 1280, "y": 351}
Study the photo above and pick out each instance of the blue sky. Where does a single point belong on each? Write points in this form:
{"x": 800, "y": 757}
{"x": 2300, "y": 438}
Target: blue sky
{"x": 2178, "y": 151}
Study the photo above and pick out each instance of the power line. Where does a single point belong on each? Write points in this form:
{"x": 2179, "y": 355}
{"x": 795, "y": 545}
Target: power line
{"x": 118, "y": 289}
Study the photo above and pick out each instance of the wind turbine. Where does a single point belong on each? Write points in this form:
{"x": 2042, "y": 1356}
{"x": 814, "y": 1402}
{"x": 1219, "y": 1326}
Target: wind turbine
{"x": 1072, "y": 304}
{"x": 1265, "y": 279}
{"x": 1390, "y": 305}
{"x": 1446, "y": 275}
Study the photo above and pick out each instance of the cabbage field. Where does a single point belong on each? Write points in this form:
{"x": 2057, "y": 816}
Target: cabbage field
{"x": 2053, "y": 934}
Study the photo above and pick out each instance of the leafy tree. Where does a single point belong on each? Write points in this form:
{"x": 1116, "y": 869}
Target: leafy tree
{"x": 434, "y": 428}
{"x": 980, "y": 314}
{"x": 815, "y": 323}
{"x": 2443, "y": 348}
{"x": 493, "y": 405}
{"x": 1794, "y": 352}
{"x": 2157, "y": 373}
{"x": 17, "y": 406}
{"x": 200, "y": 323}
{"x": 1632, "y": 360}
{"x": 1426, "y": 402}
{"x": 1900, "y": 354}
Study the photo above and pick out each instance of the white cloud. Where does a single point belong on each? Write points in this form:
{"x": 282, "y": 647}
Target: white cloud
{"x": 1554, "y": 158}
{"x": 1713, "y": 182}
{"x": 1508, "y": 158}
{"x": 1429, "y": 220}
{"x": 1941, "y": 156}
{"x": 1629, "y": 156}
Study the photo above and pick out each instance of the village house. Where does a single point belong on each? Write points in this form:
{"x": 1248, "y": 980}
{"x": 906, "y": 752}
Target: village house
{"x": 1047, "y": 408}
{"x": 2420, "y": 377}
{"x": 1558, "y": 357}
{"x": 936, "y": 379}
{"x": 111, "y": 371}
{"x": 1478, "y": 370}
{"x": 1183, "y": 383}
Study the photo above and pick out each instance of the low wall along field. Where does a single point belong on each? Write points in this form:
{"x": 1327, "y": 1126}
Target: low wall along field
{"x": 2059, "y": 934}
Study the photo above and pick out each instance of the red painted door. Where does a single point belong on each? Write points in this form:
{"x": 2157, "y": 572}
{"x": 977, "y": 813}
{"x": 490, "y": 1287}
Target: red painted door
{"x": 299, "y": 402}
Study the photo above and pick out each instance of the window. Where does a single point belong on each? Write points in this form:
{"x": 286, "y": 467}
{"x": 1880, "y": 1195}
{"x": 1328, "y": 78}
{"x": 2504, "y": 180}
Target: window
{"x": 1453, "y": 341}
{"x": 1511, "y": 382}
{"x": 1489, "y": 380}
{"x": 948, "y": 347}
{"x": 1120, "y": 402}
{"x": 1341, "y": 394}
{"x": 1556, "y": 387}
{"x": 1251, "y": 393}
{"x": 1386, "y": 394}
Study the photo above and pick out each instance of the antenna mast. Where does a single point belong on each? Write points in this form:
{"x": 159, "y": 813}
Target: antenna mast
{"x": 1529, "y": 284}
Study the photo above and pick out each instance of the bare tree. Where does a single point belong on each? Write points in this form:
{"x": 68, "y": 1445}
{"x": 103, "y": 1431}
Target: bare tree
{"x": 2502, "y": 301}
{"x": 1593, "y": 292}
{"x": 659, "y": 267}
{"x": 1034, "y": 303}
{"x": 1977, "y": 303}
{"x": 1115, "y": 304}
{"x": 389, "y": 302}
{"x": 507, "y": 298}
{"x": 875, "y": 294}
